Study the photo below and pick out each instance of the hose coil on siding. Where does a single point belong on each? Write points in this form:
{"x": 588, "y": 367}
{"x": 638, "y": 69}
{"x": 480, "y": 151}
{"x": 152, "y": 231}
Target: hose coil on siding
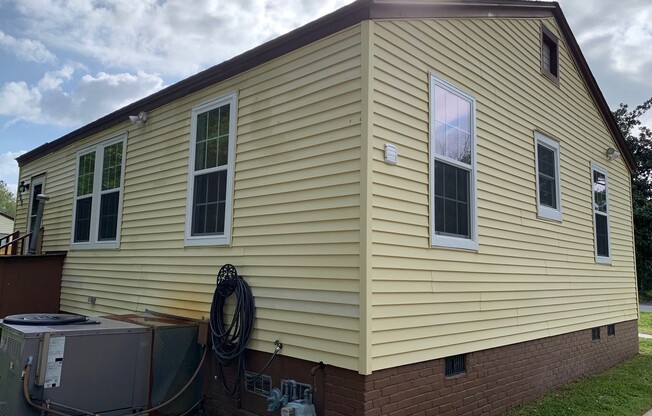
{"x": 230, "y": 341}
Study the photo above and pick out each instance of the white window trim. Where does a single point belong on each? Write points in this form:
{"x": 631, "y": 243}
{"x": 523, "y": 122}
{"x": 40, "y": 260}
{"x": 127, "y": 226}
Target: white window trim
{"x": 600, "y": 259}
{"x": 212, "y": 240}
{"x": 97, "y": 192}
{"x": 543, "y": 211}
{"x": 441, "y": 240}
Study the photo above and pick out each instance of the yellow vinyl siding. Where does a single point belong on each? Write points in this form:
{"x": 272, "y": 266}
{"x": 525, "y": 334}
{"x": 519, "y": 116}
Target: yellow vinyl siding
{"x": 6, "y": 225}
{"x": 530, "y": 277}
{"x": 335, "y": 242}
{"x": 295, "y": 218}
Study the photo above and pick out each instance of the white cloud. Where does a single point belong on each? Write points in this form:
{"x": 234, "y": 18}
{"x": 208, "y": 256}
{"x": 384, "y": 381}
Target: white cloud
{"x": 19, "y": 100}
{"x": 615, "y": 45}
{"x": 57, "y": 100}
{"x": 621, "y": 44}
{"x": 26, "y": 49}
{"x": 53, "y": 80}
{"x": 9, "y": 169}
{"x": 171, "y": 37}
{"x": 141, "y": 41}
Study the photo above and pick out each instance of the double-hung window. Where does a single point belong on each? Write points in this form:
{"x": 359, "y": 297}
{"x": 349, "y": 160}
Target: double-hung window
{"x": 98, "y": 195}
{"x": 210, "y": 179}
{"x": 600, "y": 214}
{"x": 453, "y": 219}
{"x": 547, "y": 178}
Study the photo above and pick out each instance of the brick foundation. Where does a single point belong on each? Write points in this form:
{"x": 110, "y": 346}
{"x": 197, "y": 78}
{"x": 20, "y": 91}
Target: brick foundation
{"x": 495, "y": 379}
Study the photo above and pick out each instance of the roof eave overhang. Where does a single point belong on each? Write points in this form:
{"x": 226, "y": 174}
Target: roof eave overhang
{"x": 304, "y": 35}
{"x": 341, "y": 19}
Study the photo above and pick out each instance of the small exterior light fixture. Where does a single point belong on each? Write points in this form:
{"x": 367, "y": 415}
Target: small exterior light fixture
{"x": 22, "y": 187}
{"x": 612, "y": 153}
{"x": 139, "y": 120}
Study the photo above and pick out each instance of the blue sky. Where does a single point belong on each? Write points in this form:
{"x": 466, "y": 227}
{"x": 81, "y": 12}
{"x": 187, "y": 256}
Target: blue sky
{"x": 66, "y": 63}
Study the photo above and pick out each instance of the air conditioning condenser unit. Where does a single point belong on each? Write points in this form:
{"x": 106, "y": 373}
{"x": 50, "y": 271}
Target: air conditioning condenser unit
{"x": 96, "y": 365}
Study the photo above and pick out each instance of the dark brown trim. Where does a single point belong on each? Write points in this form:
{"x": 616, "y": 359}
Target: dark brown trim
{"x": 549, "y": 38}
{"x": 6, "y": 216}
{"x": 338, "y": 20}
{"x": 392, "y": 9}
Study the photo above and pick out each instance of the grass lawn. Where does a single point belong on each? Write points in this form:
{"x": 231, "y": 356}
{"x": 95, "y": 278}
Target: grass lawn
{"x": 624, "y": 390}
{"x": 645, "y": 323}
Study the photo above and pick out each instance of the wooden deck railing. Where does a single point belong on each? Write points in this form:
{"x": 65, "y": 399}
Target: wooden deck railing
{"x": 9, "y": 243}
{"x": 14, "y": 244}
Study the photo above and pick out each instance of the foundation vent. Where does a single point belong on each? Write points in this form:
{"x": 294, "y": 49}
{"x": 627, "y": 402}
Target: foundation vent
{"x": 261, "y": 385}
{"x": 455, "y": 364}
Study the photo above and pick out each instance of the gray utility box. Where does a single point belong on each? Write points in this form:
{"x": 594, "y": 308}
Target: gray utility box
{"x": 175, "y": 357}
{"x": 99, "y": 366}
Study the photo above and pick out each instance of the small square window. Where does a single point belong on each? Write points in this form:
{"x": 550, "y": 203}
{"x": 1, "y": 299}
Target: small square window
{"x": 455, "y": 365}
{"x": 595, "y": 334}
{"x": 611, "y": 330}
{"x": 549, "y": 55}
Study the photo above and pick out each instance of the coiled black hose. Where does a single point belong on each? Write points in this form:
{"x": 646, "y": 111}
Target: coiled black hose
{"x": 230, "y": 342}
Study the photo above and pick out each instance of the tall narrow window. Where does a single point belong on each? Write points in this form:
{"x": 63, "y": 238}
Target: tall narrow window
{"x": 549, "y": 55}
{"x": 453, "y": 219}
{"x": 211, "y": 172}
{"x": 601, "y": 214}
{"x": 547, "y": 177}
{"x": 98, "y": 195}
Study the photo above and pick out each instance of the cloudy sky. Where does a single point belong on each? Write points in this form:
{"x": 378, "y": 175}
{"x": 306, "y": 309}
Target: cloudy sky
{"x": 66, "y": 63}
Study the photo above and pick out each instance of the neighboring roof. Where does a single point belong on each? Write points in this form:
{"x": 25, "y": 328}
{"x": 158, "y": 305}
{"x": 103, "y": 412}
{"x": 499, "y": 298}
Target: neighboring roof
{"x": 340, "y": 19}
{"x": 6, "y": 216}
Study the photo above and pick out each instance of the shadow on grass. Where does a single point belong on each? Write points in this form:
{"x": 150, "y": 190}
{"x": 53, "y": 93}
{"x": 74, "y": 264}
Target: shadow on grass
{"x": 623, "y": 390}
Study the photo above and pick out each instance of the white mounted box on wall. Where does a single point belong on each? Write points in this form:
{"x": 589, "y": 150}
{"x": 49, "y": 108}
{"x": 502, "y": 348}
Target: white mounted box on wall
{"x": 391, "y": 154}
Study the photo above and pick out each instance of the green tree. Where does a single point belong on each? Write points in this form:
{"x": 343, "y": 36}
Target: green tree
{"x": 639, "y": 141}
{"x": 7, "y": 200}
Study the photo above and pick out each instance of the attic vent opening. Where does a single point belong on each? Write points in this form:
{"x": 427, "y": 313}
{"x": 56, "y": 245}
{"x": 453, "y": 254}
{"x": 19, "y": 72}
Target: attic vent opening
{"x": 549, "y": 54}
{"x": 455, "y": 364}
